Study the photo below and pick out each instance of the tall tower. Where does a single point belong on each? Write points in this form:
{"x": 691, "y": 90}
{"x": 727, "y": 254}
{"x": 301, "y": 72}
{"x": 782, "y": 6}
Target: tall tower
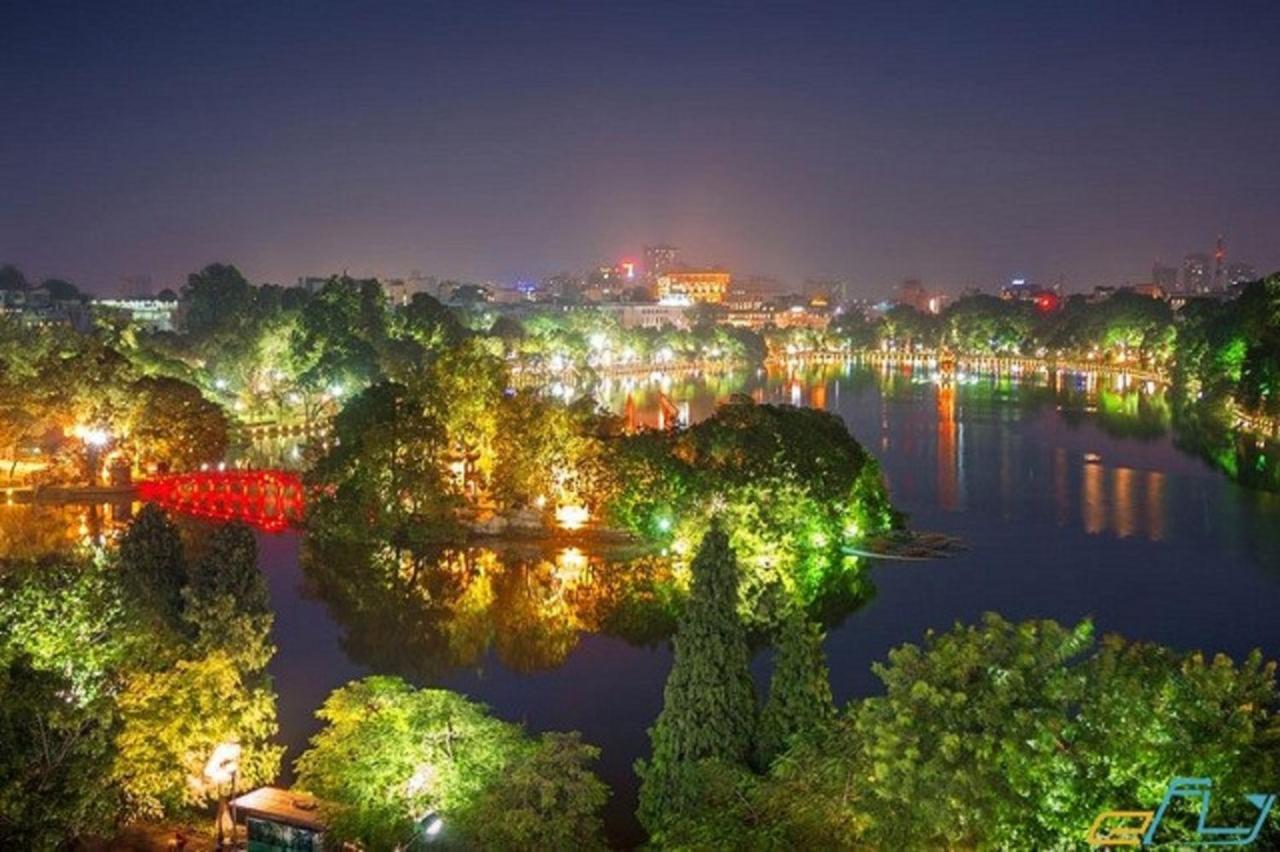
{"x": 1219, "y": 256}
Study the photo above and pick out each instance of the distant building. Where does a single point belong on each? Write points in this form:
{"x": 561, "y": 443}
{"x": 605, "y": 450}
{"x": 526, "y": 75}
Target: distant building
{"x": 149, "y": 314}
{"x": 609, "y": 283}
{"x": 1240, "y": 273}
{"x": 773, "y": 316}
{"x": 659, "y": 260}
{"x": 1166, "y": 277}
{"x": 759, "y": 288}
{"x": 37, "y": 307}
{"x": 647, "y": 314}
{"x": 1020, "y": 290}
{"x": 1152, "y": 290}
{"x": 563, "y": 286}
{"x": 693, "y": 286}
{"x": 1195, "y": 273}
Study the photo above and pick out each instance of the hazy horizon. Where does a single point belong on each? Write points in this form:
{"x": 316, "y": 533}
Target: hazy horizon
{"x": 965, "y": 146}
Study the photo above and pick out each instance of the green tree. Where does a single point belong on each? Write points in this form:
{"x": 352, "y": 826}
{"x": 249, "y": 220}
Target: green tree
{"x": 709, "y": 703}
{"x": 55, "y": 754}
{"x": 172, "y": 425}
{"x": 218, "y": 297}
{"x": 1015, "y": 736}
{"x": 172, "y": 720}
{"x": 800, "y": 690}
{"x": 226, "y": 602}
{"x": 546, "y": 798}
{"x": 386, "y": 471}
{"x": 389, "y": 754}
{"x": 153, "y": 566}
{"x": 67, "y": 615}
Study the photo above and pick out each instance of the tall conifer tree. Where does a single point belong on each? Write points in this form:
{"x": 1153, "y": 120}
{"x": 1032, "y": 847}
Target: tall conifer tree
{"x": 800, "y": 689}
{"x": 709, "y": 704}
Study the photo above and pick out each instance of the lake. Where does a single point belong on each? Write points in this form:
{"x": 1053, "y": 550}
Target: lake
{"x": 1068, "y": 491}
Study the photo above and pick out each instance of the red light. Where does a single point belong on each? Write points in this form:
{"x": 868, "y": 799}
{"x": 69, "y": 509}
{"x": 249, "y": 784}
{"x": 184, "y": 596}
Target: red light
{"x": 269, "y": 500}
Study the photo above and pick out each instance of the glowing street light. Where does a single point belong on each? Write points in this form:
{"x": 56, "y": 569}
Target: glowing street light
{"x": 221, "y": 769}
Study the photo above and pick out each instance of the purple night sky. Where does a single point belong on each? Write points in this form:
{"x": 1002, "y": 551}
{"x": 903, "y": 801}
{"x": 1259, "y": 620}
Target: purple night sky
{"x": 965, "y": 143}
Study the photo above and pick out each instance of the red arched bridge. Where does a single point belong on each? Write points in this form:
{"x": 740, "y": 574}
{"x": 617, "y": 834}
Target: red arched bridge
{"x": 270, "y": 500}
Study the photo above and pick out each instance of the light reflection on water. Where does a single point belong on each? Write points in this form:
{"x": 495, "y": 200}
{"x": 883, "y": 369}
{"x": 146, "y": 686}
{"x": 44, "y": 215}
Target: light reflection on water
{"x": 1068, "y": 489}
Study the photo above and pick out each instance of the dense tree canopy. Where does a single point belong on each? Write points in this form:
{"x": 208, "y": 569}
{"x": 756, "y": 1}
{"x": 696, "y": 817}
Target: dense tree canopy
{"x": 126, "y": 668}
{"x": 390, "y": 755}
{"x": 1006, "y": 736}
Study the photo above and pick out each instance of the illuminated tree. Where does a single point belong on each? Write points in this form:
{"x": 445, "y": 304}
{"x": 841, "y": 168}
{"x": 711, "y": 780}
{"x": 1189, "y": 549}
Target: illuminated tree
{"x": 385, "y": 475}
{"x": 172, "y": 720}
{"x": 226, "y": 602}
{"x": 1005, "y": 735}
{"x": 800, "y": 690}
{"x": 171, "y": 424}
{"x": 709, "y": 703}
{"x": 546, "y": 798}
{"x": 391, "y": 754}
{"x": 67, "y": 615}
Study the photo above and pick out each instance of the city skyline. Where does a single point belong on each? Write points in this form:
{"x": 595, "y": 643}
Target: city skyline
{"x": 983, "y": 145}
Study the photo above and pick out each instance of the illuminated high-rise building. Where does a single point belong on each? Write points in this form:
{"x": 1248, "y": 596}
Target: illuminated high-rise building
{"x": 1195, "y": 273}
{"x": 1239, "y": 273}
{"x": 659, "y": 260}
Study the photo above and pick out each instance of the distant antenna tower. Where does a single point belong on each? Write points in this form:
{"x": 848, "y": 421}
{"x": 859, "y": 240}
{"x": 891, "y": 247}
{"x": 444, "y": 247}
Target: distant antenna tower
{"x": 1219, "y": 255}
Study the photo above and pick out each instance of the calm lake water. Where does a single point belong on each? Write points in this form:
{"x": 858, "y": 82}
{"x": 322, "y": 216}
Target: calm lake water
{"x": 1068, "y": 491}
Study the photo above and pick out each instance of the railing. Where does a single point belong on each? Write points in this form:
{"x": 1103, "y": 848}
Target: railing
{"x": 270, "y": 500}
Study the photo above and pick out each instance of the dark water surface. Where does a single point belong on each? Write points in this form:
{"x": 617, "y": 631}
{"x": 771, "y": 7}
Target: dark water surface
{"x": 1068, "y": 490}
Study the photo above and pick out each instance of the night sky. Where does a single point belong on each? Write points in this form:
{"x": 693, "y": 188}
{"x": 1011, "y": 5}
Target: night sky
{"x": 966, "y": 145}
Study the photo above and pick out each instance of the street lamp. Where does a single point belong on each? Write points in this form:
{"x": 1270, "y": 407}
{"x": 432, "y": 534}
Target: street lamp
{"x": 94, "y": 439}
{"x": 221, "y": 769}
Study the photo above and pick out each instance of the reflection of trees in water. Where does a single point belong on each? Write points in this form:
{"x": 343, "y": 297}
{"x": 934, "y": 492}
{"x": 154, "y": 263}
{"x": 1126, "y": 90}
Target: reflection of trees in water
{"x": 1205, "y": 429}
{"x": 425, "y": 613}
{"x": 31, "y": 530}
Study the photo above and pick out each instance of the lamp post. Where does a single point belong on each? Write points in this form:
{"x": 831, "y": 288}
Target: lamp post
{"x": 221, "y": 769}
{"x": 94, "y": 438}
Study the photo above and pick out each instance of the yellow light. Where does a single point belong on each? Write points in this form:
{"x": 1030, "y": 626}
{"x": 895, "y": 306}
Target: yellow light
{"x": 572, "y": 517}
{"x": 571, "y": 564}
{"x": 223, "y": 763}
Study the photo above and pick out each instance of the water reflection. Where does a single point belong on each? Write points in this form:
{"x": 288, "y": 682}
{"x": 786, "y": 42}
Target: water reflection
{"x": 422, "y": 614}
{"x": 31, "y": 530}
{"x": 1120, "y": 499}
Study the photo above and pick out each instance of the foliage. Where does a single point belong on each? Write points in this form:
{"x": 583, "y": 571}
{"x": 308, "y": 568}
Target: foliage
{"x": 709, "y": 702}
{"x": 171, "y": 424}
{"x": 383, "y": 473}
{"x": 66, "y": 614}
{"x": 153, "y": 566}
{"x": 546, "y": 798}
{"x": 170, "y": 723}
{"x": 791, "y": 486}
{"x": 799, "y": 691}
{"x": 216, "y": 296}
{"x": 226, "y": 602}
{"x": 1005, "y": 735}
{"x": 55, "y": 753}
{"x": 390, "y": 754}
